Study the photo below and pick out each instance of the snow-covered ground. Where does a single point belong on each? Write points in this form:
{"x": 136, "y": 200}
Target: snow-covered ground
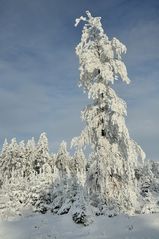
{"x": 62, "y": 227}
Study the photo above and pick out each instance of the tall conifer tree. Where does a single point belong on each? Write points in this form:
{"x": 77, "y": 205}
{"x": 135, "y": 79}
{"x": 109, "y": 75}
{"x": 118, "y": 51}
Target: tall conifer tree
{"x": 115, "y": 155}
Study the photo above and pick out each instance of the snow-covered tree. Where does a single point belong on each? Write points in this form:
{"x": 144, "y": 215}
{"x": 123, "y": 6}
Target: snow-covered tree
{"x": 42, "y": 153}
{"x": 30, "y": 151}
{"x": 63, "y": 161}
{"x": 62, "y": 177}
{"x": 78, "y": 167}
{"x": 10, "y": 158}
{"x": 3, "y": 161}
{"x": 148, "y": 184}
{"x": 115, "y": 155}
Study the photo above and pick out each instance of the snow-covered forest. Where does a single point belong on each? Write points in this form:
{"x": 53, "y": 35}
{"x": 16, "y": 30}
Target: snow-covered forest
{"x": 113, "y": 177}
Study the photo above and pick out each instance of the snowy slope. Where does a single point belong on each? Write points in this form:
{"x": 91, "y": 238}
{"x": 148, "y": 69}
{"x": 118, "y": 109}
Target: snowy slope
{"x": 62, "y": 227}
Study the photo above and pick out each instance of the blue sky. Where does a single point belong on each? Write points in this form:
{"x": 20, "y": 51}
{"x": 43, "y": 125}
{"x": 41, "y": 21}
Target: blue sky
{"x": 39, "y": 68}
